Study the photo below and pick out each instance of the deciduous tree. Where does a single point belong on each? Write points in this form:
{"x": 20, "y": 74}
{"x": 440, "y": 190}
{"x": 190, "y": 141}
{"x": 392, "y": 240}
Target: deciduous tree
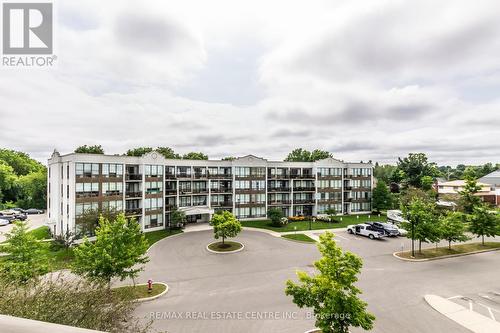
{"x": 484, "y": 223}
{"x": 95, "y": 149}
{"x": 225, "y": 225}
{"x": 382, "y": 198}
{"x": 452, "y": 228}
{"x": 332, "y": 293}
{"x": 118, "y": 251}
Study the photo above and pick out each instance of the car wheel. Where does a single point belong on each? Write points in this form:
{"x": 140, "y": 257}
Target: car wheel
{"x": 349, "y": 231}
{"x": 371, "y": 236}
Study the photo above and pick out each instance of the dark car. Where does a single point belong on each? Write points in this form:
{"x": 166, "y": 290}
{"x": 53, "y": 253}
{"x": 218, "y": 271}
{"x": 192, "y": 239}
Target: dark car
{"x": 21, "y": 217}
{"x": 33, "y": 211}
{"x": 386, "y": 228}
{"x": 19, "y": 210}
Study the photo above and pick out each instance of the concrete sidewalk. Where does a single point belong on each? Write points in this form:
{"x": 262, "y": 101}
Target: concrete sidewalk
{"x": 311, "y": 233}
{"x": 471, "y": 320}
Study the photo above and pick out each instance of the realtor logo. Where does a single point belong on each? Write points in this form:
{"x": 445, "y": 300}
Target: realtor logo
{"x": 27, "y": 28}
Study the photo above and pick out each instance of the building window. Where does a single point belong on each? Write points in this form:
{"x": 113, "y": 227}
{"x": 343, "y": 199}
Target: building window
{"x": 86, "y": 169}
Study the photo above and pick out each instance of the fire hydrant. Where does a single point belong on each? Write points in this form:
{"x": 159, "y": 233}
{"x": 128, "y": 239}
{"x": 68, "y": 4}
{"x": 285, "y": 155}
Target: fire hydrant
{"x": 150, "y": 286}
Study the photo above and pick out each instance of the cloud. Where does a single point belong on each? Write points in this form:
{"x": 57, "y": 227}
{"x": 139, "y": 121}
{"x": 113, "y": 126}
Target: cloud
{"x": 364, "y": 80}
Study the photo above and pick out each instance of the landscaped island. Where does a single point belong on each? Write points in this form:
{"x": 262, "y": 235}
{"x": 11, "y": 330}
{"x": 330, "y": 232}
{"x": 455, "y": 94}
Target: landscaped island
{"x": 433, "y": 253}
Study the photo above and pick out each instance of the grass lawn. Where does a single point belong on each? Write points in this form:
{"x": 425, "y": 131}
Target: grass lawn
{"x": 154, "y": 236}
{"x": 228, "y": 246}
{"x": 455, "y": 249}
{"x": 304, "y": 225}
{"x": 140, "y": 290}
{"x": 300, "y": 237}
{"x": 41, "y": 233}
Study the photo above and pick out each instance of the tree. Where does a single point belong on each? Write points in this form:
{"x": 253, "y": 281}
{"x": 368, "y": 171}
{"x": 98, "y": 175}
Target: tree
{"x": 95, "y": 149}
{"x": 452, "y": 228}
{"x": 118, "y": 251}
{"x": 422, "y": 226}
{"x": 228, "y": 158}
{"x": 427, "y": 182}
{"x": 483, "y": 223}
{"x": 139, "y": 151}
{"x": 26, "y": 258}
{"x": 168, "y": 153}
{"x": 382, "y": 198}
{"x": 21, "y": 163}
{"x": 225, "y": 225}
{"x": 275, "y": 215}
{"x": 32, "y": 190}
{"x": 195, "y": 156}
{"x": 384, "y": 172}
{"x": 88, "y": 221}
{"x": 332, "y": 293}
{"x": 302, "y": 155}
{"x": 7, "y": 179}
{"x": 177, "y": 218}
{"x": 414, "y": 167}
{"x": 468, "y": 198}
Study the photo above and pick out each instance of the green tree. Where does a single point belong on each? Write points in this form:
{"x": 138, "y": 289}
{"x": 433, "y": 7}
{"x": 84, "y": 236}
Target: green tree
{"x": 484, "y": 223}
{"x": 452, "y": 228}
{"x": 95, "y": 149}
{"x": 118, "y": 251}
{"x": 177, "y": 218}
{"x": 275, "y": 215}
{"x": 7, "y": 179}
{"x": 32, "y": 190}
{"x": 225, "y": 225}
{"x": 195, "y": 156}
{"x": 414, "y": 167}
{"x": 168, "y": 153}
{"x": 332, "y": 293}
{"x": 21, "y": 163}
{"x": 468, "y": 198}
{"x": 139, "y": 151}
{"x": 228, "y": 158}
{"x": 26, "y": 258}
{"x": 384, "y": 172}
{"x": 427, "y": 182}
{"x": 422, "y": 218}
{"x": 303, "y": 155}
{"x": 88, "y": 221}
{"x": 382, "y": 198}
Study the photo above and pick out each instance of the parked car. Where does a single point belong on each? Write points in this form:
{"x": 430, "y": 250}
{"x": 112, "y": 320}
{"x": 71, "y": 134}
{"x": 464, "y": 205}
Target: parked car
{"x": 33, "y": 211}
{"x": 10, "y": 218}
{"x": 19, "y": 210}
{"x": 364, "y": 229}
{"x": 402, "y": 232}
{"x": 4, "y": 222}
{"x": 388, "y": 228}
{"x": 21, "y": 217}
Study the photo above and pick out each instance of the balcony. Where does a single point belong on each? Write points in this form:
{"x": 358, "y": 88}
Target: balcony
{"x": 133, "y": 211}
{"x": 170, "y": 191}
{"x": 183, "y": 175}
{"x": 278, "y": 189}
{"x": 279, "y": 202}
{"x": 304, "y": 201}
{"x": 281, "y": 176}
{"x": 222, "y": 190}
{"x": 251, "y": 203}
{"x": 348, "y": 188}
{"x": 304, "y": 189}
{"x": 199, "y": 190}
{"x": 220, "y": 176}
{"x": 169, "y": 176}
{"x": 185, "y": 191}
{"x": 222, "y": 204}
{"x": 87, "y": 194}
{"x": 200, "y": 176}
{"x": 133, "y": 177}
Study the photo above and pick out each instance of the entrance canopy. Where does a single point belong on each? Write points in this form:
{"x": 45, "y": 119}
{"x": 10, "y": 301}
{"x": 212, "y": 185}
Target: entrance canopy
{"x": 198, "y": 210}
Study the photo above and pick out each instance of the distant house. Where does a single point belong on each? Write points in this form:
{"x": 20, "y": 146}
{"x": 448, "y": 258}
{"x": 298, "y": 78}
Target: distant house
{"x": 493, "y": 179}
{"x": 452, "y": 189}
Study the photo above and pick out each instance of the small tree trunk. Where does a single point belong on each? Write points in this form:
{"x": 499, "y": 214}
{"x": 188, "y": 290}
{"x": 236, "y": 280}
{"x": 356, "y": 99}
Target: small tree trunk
{"x": 420, "y": 246}
{"x": 223, "y": 240}
{"x": 482, "y": 236}
{"x": 449, "y": 245}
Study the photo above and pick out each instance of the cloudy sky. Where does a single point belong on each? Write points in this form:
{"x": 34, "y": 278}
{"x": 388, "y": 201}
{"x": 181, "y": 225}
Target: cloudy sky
{"x": 362, "y": 79}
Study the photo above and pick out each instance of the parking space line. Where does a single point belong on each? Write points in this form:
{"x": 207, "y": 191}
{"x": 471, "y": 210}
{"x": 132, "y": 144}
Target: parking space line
{"x": 453, "y": 297}
{"x": 470, "y": 305}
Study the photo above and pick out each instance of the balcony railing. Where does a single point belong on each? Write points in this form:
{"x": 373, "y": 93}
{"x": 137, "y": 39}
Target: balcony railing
{"x": 220, "y": 175}
{"x": 133, "y": 211}
{"x": 304, "y": 188}
{"x": 251, "y": 216}
{"x": 87, "y": 194}
{"x": 222, "y": 190}
{"x": 200, "y": 175}
{"x": 200, "y": 190}
{"x": 304, "y": 201}
{"x": 278, "y": 189}
{"x": 222, "y": 204}
{"x": 251, "y": 203}
{"x": 279, "y": 202}
{"x": 170, "y": 191}
{"x": 133, "y": 177}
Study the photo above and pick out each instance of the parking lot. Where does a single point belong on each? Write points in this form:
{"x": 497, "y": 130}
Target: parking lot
{"x": 34, "y": 221}
{"x": 253, "y": 281}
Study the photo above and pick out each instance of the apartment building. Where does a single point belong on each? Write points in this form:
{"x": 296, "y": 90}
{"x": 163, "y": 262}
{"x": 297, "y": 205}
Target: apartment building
{"x": 149, "y": 187}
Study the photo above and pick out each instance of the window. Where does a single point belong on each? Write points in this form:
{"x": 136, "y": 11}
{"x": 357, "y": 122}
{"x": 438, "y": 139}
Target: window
{"x": 153, "y": 203}
{"x": 112, "y": 170}
{"x": 184, "y": 201}
{"x": 87, "y": 190}
{"x": 153, "y": 170}
{"x": 154, "y": 187}
{"x": 116, "y": 205}
{"x": 87, "y": 169}
{"x": 81, "y": 208}
{"x": 153, "y": 221}
{"x": 200, "y": 200}
{"x": 258, "y": 184}
{"x": 242, "y": 171}
{"x": 112, "y": 188}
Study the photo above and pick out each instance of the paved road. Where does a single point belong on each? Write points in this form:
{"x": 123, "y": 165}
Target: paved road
{"x": 34, "y": 221}
{"x": 252, "y": 281}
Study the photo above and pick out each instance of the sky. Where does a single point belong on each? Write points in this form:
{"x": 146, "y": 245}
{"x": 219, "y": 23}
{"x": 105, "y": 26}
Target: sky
{"x": 365, "y": 80}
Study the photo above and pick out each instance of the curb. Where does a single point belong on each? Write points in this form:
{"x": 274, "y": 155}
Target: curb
{"x": 395, "y": 254}
{"x": 146, "y": 299}
{"x": 225, "y": 252}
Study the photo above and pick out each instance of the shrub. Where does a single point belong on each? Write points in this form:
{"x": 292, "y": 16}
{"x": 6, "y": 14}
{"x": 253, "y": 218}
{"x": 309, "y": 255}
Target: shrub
{"x": 275, "y": 215}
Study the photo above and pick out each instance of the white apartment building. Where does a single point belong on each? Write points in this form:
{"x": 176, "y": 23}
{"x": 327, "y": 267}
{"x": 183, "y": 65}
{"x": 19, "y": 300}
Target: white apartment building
{"x": 150, "y": 186}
